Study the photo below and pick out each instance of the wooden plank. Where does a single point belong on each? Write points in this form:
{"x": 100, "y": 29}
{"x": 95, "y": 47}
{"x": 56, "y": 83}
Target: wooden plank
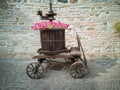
{"x": 61, "y": 55}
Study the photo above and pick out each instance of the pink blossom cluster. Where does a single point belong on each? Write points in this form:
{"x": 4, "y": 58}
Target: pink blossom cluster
{"x": 50, "y": 24}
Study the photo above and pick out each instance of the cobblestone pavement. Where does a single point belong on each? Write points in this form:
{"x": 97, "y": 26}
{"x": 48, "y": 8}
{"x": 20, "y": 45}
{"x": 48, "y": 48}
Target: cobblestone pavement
{"x": 104, "y": 75}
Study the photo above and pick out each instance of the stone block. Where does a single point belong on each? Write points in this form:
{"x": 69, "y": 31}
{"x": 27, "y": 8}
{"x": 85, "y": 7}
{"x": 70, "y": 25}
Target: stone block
{"x": 92, "y": 19}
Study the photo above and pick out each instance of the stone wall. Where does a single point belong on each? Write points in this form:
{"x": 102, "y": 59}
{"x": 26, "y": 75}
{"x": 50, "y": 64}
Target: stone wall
{"x": 93, "y": 20}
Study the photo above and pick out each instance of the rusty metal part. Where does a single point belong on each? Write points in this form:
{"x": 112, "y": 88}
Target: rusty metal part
{"x": 50, "y": 15}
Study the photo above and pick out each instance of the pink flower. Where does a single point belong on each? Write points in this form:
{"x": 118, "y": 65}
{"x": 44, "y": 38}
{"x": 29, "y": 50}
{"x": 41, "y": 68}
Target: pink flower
{"x": 49, "y": 24}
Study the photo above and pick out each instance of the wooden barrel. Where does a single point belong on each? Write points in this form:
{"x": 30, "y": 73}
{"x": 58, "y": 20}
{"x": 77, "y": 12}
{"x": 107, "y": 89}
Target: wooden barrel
{"x": 52, "y": 41}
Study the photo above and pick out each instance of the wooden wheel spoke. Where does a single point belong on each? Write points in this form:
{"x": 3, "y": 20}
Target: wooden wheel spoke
{"x": 78, "y": 70}
{"x": 83, "y": 71}
{"x": 40, "y": 71}
{"x": 30, "y": 71}
{"x": 34, "y": 75}
{"x": 72, "y": 72}
{"x": 76, "y": 75}
{"x": 32, "y": 65}
{"x": 37, "y": 74}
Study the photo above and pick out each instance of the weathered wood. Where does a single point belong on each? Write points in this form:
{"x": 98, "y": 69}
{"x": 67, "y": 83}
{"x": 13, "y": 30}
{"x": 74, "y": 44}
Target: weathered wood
{"x": 81, "y": 49}
{"x": 61, "y": 55}
{"x": 74, "y": 51}
{"x": 52, "y": 40}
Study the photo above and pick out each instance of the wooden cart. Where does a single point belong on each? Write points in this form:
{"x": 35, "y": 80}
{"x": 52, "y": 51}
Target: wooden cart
{"x": 77, "y": 69}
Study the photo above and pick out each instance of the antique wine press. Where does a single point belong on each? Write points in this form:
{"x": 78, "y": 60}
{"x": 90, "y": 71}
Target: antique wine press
{"x": 52, "y": 47}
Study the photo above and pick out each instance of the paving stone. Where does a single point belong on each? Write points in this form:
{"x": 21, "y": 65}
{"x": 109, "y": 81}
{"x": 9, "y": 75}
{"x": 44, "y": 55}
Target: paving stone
{"x": 104, "y": 75}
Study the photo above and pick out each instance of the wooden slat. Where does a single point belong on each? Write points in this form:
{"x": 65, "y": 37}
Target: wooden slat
{"x": 52, "y": 39}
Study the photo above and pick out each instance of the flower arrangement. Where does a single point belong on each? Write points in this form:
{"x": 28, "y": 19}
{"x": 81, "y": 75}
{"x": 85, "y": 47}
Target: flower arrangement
{"x": 49, "y": 25}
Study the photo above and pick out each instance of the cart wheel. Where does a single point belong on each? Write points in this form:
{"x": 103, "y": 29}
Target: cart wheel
{"x": 35, "y": 70}
{"x": 77, "y": 70}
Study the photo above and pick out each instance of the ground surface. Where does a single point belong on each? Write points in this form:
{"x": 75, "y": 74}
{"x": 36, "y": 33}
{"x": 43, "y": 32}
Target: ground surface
{"x": 104, "y": 75}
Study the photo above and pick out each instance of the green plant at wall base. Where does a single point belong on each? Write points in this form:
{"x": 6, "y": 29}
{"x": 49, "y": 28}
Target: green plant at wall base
{"x": 117, "y": 26}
